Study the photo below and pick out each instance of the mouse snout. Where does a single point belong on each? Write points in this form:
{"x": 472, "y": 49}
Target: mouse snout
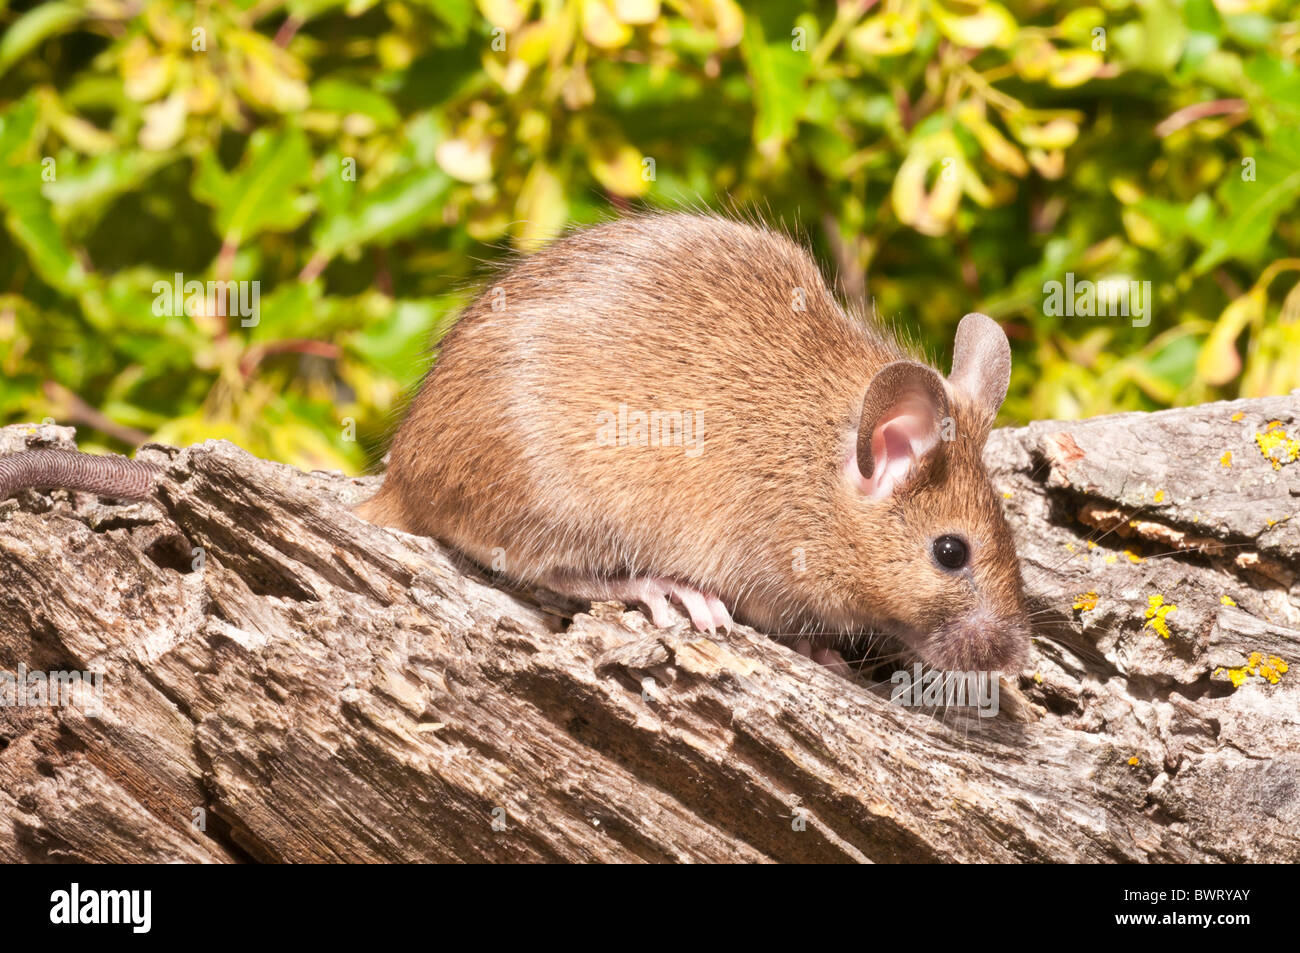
{"x": 979, "y": 640}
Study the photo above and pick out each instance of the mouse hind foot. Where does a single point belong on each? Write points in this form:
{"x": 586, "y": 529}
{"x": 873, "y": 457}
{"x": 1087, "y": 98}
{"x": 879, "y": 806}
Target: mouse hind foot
{"x": 706, "y": 611}
{"x": 826, "y": 657}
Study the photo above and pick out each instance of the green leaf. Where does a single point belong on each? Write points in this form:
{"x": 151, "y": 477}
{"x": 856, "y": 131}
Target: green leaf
{"x": 1275, "y": 85}
{"x": 33, "y": 27}
{"x": 1175, "y": 364}
{"x": 1178, "y": 220}
{"x": 778, "y": 73}
{"x": 399, "y": 340}
{"x": 27, "y": 212}
{"x": 30, "y": 222}
{"x": 292, "y": 310}
{"x": 1252, "y": 207}
{"x": 265, "y": 192}
{"x": 1156, "y": 43}
{"x": 84, "y": 189}
{"x": 396, "y": 208}
{"x": 1203, "y": 17}
{"x": 1205, "y": 27}
{"x": 17, "y": 127}
{"x": 336, "y": 95}
{"x": 457, "y": 14}
{"x": 1251, "y": 29}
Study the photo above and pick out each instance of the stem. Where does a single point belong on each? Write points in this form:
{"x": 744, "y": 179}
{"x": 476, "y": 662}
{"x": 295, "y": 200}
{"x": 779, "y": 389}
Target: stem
{"x": 255, "y": 354}
{"x": 1190, "y": 114}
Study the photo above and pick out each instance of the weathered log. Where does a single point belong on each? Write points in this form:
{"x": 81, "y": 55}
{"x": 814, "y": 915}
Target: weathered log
{"x": 284, "y": 682}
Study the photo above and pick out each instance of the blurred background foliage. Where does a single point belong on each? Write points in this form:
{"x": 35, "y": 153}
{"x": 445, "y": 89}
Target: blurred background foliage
{"x": 363, "y": 159}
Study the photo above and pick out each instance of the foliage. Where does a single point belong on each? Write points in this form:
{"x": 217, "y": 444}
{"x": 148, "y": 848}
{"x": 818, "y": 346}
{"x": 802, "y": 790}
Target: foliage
{"x": 942, "y": 156}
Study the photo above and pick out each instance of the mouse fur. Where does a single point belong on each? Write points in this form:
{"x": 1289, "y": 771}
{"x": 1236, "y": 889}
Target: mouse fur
{"x": 826, "y": 458}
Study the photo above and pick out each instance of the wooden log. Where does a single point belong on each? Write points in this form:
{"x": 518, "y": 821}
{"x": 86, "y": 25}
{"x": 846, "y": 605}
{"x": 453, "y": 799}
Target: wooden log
{"x": 284, "y": 682}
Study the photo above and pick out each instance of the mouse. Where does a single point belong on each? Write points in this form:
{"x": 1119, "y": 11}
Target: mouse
{"x": 673, "y": 408}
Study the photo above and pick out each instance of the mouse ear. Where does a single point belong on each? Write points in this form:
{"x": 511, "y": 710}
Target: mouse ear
{"x": 981, "y": 362}
{"x": 902, "y": 415}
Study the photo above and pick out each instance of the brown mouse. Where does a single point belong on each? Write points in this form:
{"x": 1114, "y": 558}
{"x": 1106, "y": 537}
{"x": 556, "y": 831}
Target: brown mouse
{"x": 674, "y": 407}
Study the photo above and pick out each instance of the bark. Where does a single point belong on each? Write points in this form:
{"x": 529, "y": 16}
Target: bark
{"x": 283, "y": 682}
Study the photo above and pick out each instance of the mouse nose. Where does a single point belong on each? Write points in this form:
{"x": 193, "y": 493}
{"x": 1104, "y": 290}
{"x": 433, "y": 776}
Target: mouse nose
{"x": 978, "y": 641}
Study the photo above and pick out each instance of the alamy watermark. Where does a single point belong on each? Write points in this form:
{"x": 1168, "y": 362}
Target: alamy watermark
{"x": 240, "y": 299}
{"x": 1108, "y": 298}
{"x": 655, "y": 428}
{"x": 132, "y": 908}
{"x": 935, "y": 689}
{"x": 36, "y": 689}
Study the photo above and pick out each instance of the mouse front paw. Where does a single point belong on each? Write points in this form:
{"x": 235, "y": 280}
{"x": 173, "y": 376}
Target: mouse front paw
{"x": 707, "y": 612}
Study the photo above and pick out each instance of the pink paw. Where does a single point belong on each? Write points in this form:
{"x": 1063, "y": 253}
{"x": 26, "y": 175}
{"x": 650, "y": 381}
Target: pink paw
{"x": 830, "y": 658}
{"x": 707, "y": 612}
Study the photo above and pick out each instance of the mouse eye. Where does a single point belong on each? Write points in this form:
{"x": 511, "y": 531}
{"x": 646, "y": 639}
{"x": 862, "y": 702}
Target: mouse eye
{"x": 950, "y": 552}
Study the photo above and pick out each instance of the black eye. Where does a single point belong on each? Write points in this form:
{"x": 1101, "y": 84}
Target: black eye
{"x": 950, "y": 551}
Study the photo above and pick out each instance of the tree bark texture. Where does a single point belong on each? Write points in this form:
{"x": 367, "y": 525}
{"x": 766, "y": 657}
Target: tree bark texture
{"x": 284, "y": 682}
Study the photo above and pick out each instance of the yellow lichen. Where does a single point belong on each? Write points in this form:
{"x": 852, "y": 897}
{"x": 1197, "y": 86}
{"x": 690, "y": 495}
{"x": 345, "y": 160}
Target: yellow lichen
{"x": 1157, "y": 613}
{"x": 1226, "y": 459}
{"x": 1134, "y": 761}
{"x": 1006, "y": 494}
{"x": 1091, "y": 544}
{"x": 1132, "y": 556}
{"x": 1238, "y": 415}
{"x": 1270, "y": 668}
{"x": 1160, "y": 496}
{"x": 1276, "y": 445}
{"x": 1110, "y": 558}
{"x": 1086, "y": 602}
{"x": 1227, "y": 600}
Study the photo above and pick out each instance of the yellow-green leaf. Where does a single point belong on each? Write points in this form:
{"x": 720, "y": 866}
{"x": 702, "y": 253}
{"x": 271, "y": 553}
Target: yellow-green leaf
{"x": 990, "y": 25}
{"x": 1219, "y": 361}
{"x": 1074, "y": 68}
{"x": 506, "y": 14}
{"x": 887, "y": 34}
{"x": 617, "y": 166}
{"x": 542, "y": 209}
{"x": 468, "y": 160}
{"x": 601, "y": 27}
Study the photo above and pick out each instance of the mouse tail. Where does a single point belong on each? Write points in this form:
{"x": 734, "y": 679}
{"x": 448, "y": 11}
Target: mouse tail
{"x": 111, "y": 476}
